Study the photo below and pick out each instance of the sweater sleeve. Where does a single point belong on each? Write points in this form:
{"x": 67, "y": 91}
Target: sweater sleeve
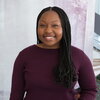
{"x": 87, "y": 80}
{"x": 17, "y": 88}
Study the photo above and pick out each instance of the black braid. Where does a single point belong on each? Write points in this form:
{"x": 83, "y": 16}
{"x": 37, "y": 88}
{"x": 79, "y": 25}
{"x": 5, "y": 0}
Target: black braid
{"x": 65, "y": 72}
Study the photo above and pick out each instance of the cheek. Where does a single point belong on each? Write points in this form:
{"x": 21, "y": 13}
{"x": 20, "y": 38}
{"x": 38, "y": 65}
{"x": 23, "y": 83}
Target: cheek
{"x": 40, "y": 32}
{"x": 60, "y": 34}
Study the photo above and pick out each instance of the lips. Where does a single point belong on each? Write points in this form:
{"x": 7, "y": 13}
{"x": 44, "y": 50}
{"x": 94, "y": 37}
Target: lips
{"x": 49, "y": 37}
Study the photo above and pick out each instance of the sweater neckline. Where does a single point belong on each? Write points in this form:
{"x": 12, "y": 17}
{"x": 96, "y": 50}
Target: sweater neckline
{"x": 46, "y": 49}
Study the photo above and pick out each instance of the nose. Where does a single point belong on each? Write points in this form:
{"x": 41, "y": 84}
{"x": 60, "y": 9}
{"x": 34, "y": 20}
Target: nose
{"x": 48, "y": 29}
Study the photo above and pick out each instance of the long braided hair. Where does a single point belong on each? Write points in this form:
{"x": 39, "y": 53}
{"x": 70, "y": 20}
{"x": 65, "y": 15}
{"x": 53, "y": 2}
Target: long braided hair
{"x": 64, "y": 73}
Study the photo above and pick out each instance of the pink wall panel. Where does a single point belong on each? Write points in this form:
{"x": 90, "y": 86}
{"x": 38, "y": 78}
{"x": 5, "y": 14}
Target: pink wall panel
{"x": 76, "y": 10}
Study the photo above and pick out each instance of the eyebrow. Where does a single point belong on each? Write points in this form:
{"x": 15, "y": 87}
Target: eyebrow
{"x": 52, "y": 21}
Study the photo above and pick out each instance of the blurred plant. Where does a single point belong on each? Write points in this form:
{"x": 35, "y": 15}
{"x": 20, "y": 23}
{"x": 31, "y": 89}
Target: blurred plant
{"x": 98, "y": 86}
{"x": 98, "y": 77}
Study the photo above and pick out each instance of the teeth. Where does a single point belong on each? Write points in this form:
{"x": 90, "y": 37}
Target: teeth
{"x": 49, "y": 37}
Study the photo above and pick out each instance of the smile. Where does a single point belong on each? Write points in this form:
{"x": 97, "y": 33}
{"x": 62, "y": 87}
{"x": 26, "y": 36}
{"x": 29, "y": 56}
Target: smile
{"x": 49, "y": 37}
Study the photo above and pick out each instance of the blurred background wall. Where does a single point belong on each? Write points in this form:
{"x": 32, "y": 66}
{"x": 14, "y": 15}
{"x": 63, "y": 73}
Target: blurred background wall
{"x": 96, "y": 39}
{"x": 17, "y": 30}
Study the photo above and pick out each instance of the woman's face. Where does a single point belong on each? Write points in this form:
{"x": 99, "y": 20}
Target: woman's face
{"x": 50, "y": 29}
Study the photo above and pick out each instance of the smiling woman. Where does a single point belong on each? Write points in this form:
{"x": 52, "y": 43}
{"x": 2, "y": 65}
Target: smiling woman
{"x": 50, "y": 69}
{"x": 50, "y": 30}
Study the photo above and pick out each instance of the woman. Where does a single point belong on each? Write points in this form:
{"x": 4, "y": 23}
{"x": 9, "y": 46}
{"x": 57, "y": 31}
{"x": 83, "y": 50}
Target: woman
{"x": 50, "y": 69}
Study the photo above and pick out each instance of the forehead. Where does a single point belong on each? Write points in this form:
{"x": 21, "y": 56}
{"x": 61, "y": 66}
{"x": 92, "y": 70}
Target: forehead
{"x": 50, "y": 15}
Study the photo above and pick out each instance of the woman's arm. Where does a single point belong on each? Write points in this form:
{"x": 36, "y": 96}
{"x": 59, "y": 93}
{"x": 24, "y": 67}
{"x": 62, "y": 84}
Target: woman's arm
{"x": 87, "y": 80}
{"x": 18, "y": 85}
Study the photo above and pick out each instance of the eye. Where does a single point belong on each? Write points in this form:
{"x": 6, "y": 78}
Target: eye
{"x": 42, "y": 25}
{"x": 55, "y": 25}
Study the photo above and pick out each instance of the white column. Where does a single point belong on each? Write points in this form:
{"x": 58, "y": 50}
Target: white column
{"x": 89, "y": 31}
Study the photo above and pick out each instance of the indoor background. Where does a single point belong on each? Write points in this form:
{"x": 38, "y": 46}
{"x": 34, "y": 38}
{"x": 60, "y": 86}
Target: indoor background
{"x": 18, "y": 30}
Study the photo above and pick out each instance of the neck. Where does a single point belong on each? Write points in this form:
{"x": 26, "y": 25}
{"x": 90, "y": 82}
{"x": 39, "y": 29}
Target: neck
{"x": 48, "y": 47}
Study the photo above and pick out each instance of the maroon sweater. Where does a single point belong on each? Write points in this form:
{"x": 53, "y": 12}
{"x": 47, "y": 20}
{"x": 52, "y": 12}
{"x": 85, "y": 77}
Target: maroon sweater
{"x": 33, "y": 76}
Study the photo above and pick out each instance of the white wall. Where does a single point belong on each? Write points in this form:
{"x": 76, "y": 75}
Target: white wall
{"x": 97, "y": 9}
{"x": 17, "y": 31}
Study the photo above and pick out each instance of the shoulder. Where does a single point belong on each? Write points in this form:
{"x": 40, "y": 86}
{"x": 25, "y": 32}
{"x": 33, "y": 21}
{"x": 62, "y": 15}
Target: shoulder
{"x": 76, "y": 51}
{"x": 80, "y": 59}
{"x": 78, "y": 54}
{"x": 27, "y": 50}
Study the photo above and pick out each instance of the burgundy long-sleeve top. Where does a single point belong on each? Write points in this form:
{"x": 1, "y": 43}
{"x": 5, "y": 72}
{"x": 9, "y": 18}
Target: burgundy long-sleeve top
{"x": 33, "y": 78}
